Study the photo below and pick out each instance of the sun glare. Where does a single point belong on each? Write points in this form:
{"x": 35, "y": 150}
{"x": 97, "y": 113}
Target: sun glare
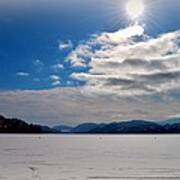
{"x": 135, "y": 8}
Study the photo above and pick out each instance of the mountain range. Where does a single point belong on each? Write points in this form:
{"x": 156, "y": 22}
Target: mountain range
{"x": 126, "y": 127}
{"x": 14, "y": 125}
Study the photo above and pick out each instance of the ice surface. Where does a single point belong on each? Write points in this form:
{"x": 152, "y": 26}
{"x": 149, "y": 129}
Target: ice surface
{"x": 89, "y": 157}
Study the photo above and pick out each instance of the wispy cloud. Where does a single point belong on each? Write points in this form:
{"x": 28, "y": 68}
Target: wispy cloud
{"x": 22, "y": 74}
{"x": 57, "y": 67}
{"x": 39, "y": 65}
{"x": 38, "y": 62}
{"x": 65, "y": 45}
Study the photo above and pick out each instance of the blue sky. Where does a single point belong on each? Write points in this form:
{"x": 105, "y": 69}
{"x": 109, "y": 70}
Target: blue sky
{"x": 39, "y": 38}
{"x": 27, "y": 35}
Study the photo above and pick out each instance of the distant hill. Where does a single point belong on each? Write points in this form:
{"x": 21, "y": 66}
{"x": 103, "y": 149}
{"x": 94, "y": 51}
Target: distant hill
{"x": 127, "y": 127}
{"x": 135, "y": 126}
{"x": 19, "y": 126}
{"x": 84, "y": 128}
{"x": 81, "y": 128}
{"x": 170, "y": 121}
{"x": 172, "y": 128}
{"x": 63, "y": 128}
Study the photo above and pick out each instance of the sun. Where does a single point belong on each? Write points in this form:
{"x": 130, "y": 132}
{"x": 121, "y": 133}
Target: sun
{"x": 135, "y": 8}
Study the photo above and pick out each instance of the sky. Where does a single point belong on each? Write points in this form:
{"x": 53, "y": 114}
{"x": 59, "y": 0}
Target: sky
{"x": 70, "y": 62}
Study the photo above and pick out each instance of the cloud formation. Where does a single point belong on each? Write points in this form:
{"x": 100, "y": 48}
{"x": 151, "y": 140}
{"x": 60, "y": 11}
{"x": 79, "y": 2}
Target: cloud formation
{"x": 73, "y": 106}
{"x": 130, "y": 76}
{"x": 129, "y": 63}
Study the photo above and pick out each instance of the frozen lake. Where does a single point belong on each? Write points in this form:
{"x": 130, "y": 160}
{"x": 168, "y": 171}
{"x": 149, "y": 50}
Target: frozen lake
{"x": 89, "y": 157}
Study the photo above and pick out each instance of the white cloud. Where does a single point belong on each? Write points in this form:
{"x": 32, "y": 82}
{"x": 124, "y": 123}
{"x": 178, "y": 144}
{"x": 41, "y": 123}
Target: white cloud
{"x": 55, "y": 80}
{"x": 57, "y": 67}
{"x": 65, "y": 45}
{"x": 103, "y": 42}
{"x": 125, "y": 63}
{"x": 81, "y": 54}
{"x": 56, "y": 83}
{"x": 54, "y": 77}
{"x": 22, "y": 74}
